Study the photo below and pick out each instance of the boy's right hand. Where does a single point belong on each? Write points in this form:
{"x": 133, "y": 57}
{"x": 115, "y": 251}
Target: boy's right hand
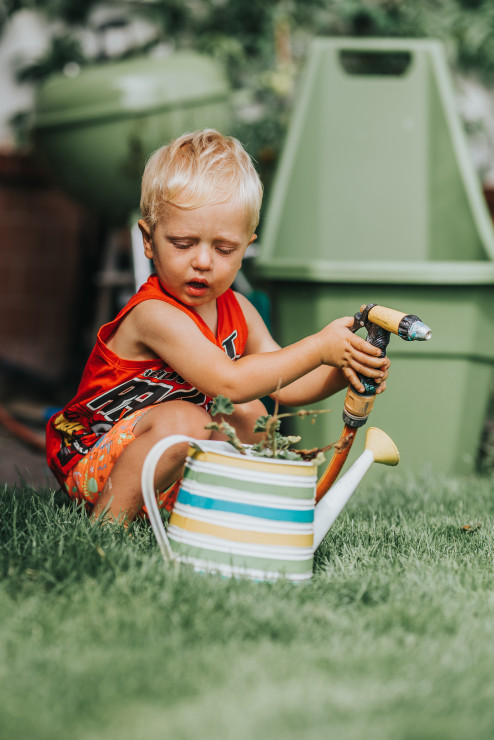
{"x": 343, "y": 349}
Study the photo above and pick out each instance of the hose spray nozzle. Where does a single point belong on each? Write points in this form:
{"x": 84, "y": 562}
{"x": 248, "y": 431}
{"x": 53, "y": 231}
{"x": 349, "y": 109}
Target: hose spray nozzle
{"x": 379, "y": 322}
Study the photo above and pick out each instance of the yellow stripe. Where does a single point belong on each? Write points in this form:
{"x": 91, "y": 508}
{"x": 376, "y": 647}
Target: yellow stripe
{"x": 241, "y": 535}
{"x": 253, "y": 464}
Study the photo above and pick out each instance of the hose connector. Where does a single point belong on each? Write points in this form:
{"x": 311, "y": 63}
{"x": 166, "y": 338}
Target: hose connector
{"x": 357, "y": 407}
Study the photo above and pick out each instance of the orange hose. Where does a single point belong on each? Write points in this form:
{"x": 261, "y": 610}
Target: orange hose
{"x": 337, "y": 461}
{"x": 21, "y": 431}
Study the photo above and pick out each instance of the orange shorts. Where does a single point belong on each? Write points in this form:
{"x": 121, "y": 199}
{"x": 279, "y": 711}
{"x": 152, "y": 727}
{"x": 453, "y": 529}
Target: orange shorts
{"x": 87, "y": 478}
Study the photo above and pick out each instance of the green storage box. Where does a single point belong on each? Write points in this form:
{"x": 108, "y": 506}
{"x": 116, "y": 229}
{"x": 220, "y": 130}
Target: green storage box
{"x": 96, "y": 130}
{"x": 376, "y": 201}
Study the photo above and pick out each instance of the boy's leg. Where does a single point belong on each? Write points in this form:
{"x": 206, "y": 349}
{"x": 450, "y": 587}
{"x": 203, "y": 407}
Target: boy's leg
{"x": 122, "y": 494}
{"x": 88, "y": 479}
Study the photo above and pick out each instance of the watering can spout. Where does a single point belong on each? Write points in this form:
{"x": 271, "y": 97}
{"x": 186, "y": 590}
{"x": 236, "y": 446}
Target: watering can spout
{"x": 380, "y": 448}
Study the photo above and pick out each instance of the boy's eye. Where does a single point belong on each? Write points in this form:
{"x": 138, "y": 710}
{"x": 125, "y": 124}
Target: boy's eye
{"x": 225, "y": 250}
{"x": 181, "y": 244}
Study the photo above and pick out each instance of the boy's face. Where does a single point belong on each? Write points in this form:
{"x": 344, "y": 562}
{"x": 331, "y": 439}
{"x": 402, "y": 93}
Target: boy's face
{"x": 198, "y": 252}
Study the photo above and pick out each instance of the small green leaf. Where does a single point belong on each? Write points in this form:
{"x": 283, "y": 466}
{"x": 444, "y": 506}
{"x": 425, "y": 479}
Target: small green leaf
{"x": 214, "y": 426}
{"x": 263, "y": 421}
{"x": 221, "y": 405}
{"x": 262, "y": 451}
{"x": 288, "y": 455}
{"x": 230, "y": 434}
{"x": 319, "y": 459}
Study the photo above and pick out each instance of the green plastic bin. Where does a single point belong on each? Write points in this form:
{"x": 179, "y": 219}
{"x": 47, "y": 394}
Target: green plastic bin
{"x": 376, "y": 201}
{"x": 96, "y": 130}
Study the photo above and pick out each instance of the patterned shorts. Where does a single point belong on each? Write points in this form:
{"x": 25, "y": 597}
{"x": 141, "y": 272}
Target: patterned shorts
{"x": 87, "y": 478}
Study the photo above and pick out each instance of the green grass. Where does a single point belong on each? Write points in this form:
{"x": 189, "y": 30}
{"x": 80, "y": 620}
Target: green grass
{"x": 393, "y": 638}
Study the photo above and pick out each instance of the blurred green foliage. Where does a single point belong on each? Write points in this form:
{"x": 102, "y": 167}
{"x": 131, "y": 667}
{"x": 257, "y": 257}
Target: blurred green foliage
{"x": 263, "y": 43}
{"x": 64, "y": 49}
{"x": 249, "y": 26}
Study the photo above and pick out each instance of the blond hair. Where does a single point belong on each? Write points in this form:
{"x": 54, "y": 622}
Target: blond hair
{"x": 200, "y": 168}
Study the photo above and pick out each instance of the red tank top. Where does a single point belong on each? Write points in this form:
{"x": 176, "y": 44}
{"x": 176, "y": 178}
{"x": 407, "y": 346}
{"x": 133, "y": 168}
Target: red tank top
{"x": 112, "y": 388}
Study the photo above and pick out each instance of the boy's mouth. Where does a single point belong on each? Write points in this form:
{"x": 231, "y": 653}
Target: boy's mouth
{"x": 197, "y": 287}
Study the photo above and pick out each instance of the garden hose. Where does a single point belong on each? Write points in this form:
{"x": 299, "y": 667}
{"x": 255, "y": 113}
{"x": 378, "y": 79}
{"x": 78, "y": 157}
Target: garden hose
{"x": 21, "y": 431}
{"x": 379, "y": 322}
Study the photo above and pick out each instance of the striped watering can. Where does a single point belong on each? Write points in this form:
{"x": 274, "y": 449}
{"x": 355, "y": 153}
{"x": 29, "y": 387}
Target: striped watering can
{"x": 251, "y": 516}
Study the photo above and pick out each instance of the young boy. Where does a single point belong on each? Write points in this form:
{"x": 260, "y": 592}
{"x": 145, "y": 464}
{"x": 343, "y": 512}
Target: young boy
{"x": 186, "y": 337}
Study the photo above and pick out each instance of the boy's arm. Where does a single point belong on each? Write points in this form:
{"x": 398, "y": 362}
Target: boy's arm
{"x": 159, "y": 329}
{"x": 316, "y": 385}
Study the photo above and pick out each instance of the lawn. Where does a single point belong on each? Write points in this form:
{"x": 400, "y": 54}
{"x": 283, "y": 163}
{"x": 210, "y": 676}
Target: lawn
{"x": 393, "y": 637}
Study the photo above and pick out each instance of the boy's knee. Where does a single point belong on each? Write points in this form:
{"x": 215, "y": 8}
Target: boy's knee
{"x": 175, "y": 417}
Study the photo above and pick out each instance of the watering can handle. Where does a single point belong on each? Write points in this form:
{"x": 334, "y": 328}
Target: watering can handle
{"x": 147, "y": 482}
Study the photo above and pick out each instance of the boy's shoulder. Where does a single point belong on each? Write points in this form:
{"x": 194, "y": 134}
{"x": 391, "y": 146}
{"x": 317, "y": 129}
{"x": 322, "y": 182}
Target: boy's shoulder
{"x": 248, "y": 308}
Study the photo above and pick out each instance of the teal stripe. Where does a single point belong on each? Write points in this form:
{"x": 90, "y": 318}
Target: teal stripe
{"x": 305, "y": 493}
{"x": 234, "y": 507}
{"x": 236, "y": 560}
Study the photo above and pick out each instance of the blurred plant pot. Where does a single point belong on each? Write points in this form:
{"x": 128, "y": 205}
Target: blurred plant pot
{"x": 96, "y": 130}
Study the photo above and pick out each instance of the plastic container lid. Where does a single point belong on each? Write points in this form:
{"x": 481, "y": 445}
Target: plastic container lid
{"x": 401, "y": 273}
{"x": 129, "y": 88}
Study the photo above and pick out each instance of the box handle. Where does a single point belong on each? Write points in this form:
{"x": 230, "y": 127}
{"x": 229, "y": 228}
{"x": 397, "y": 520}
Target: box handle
{"x": 372, "y": 62}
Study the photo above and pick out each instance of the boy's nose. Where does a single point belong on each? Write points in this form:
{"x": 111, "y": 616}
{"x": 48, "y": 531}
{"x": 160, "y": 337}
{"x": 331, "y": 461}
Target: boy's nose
{"x": 202, "y": 258}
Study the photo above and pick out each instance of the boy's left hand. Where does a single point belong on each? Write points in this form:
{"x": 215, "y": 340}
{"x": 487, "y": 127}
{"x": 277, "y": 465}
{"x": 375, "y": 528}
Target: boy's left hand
{"x": 353, "y": 377}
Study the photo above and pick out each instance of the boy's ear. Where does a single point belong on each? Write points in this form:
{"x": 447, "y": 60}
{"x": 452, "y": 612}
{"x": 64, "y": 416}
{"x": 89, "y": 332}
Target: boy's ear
{"x": 252, "y": 239}
{"x": 147, "y": 238}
